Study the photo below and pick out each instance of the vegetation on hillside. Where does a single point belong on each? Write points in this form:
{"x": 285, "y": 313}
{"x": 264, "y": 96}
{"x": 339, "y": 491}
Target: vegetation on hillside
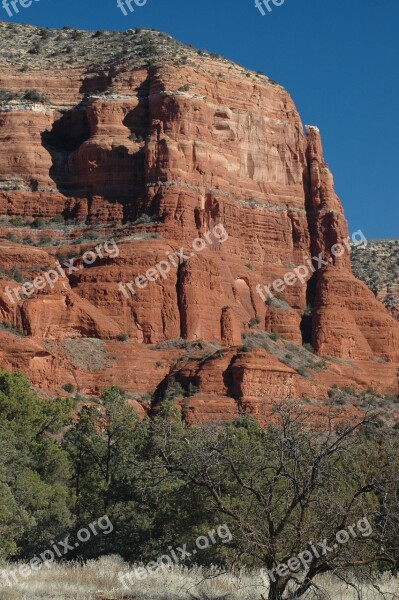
{"x": 278, "y": 488}
{"x": 377, "y": 265}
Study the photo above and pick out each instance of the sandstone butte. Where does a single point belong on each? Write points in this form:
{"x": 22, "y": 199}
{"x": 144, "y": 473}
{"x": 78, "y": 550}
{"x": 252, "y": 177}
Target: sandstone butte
{"x": 129, "y": 124}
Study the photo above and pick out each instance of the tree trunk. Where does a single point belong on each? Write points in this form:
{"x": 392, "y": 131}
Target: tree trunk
{"x": 303, "y": 588}
{"x": 276, "y": 591}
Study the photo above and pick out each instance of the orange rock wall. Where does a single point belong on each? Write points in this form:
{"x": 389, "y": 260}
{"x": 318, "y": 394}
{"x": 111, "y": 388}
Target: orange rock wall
{"x": 228, "y": 150}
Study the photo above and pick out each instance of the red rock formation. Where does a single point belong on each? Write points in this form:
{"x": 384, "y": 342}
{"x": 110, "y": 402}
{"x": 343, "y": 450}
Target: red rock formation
{"x": 194, "y": 146}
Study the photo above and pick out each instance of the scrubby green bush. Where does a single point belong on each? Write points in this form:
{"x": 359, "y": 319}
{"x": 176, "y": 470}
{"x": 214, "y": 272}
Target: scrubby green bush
{"x": 68, "y": 387}
{"x": 254, "y": 322}
{"x": 122, "y": 337}
{"x": 34, "y": 96}
{"x": 6, "y": 95}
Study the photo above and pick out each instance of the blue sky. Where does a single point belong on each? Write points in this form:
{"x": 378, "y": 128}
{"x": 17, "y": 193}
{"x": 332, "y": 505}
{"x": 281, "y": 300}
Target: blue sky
{"x": 337, "y": 58}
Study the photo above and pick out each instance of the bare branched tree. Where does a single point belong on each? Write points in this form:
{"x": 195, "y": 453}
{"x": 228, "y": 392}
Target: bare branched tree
{"x": 295, "y": 486}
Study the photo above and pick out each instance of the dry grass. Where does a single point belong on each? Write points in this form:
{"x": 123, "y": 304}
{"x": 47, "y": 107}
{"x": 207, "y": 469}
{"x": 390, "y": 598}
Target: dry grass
{"x": 98, "y": 580}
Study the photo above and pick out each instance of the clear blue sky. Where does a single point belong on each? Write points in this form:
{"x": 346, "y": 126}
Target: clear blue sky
{"x": 337, "y": 58}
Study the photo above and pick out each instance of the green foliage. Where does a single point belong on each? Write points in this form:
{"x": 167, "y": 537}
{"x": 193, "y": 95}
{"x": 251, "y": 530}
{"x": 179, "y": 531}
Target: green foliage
{"x": 13, "y": 273}
{"x": 76, "y": 35}
{"x": 301, "y": 371}
{"x": 105, "y": 448}
{"x": 35, "y": 501}
{"x": 122, "y": 337}
{"x": 16, "y": 222}
{"x": 36, "y": 48}
{"x": 275, "y": 336}
{"x": 308, "y": 347}
{"x": 162, "y": 484}
{"x": 59, "y": 219}
{"x": 173, "y": 390}
{"x": 6, "y": 94}
{"x": 68, "y": 387}
{"x": 13, "y": 238}
{"x": 45, "y": 34}
{"x": 38, "y": 223}
{"x": 8, "y": 327}
{"x": 280, "y": 486}
{"x": 143, "y": 219}
{"x": 254, "y": 322}
{"x": 45, "y": 240}
{"x": 34, "y": 95}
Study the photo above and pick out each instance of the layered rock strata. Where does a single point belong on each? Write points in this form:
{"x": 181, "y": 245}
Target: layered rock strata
{"x": 154, "y": 153}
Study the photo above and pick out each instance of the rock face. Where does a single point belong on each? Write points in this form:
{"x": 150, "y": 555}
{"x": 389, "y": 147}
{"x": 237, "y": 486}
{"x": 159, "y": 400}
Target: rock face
{"x": 161, "y": 149}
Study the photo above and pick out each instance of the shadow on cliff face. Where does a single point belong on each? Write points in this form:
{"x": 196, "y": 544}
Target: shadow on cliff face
{"x": 96, "y": 82}
{"x": 138, "y": 120}
{"x": 307, "y": 317}
{"x": 82, "y": 167}
{"x": 65, "y": 137}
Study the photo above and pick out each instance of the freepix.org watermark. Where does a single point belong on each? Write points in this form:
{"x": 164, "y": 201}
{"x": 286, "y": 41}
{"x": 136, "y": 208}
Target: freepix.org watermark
{"x": 176, "y": 258}
{"x": 266, "y": 4}
{"x": 51, "y": 277}
{"x": 123, "y": 3}
{"x": 58, "y": 550}
{"x": 14, "y": 3}
{"x": 313, "y": 264}
{"x": 317, "y": 550}
{"x": 221, "y": 533}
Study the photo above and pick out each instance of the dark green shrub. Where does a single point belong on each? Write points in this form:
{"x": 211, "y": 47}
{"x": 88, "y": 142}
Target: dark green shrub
{"x": 136, "y": 138}
{"x": 16, "y": 274}
{"x": 34, "y": 96}
{"x": 122, "y": 337}
{"x": 8, "y": 327}
{"x": 17, "y": 222}
{"x": 45, "y": 34}
{"x": 58, "y": 219}
{"x": 254, "y": 321}
{"x": 13, "y": 238}
{"x": 192, "y": 390}
{"x": 36, "y": 49}
{"x": 309, "y": 347}
{"x": 275, "y": 336}
{"x": 45, "y": 240}
{"x": 7, "y": 95}
{"x": 38, "y": 223}
{"x": 143, "y": 220}
{"x": 68, "y": 387}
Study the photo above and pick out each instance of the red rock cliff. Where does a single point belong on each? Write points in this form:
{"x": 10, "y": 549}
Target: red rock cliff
{"x": 192, "y": 141}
